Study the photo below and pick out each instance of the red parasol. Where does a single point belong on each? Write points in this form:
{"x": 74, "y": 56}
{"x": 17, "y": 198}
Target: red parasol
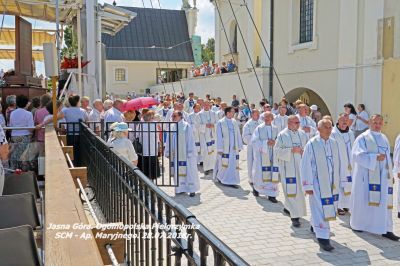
{"x": 139, "y": 103}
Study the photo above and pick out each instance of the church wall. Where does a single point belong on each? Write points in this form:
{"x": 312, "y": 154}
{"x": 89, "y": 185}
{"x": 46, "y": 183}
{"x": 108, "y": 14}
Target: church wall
{"x": 140, "y": 75}
{"x": 223, "y": 51}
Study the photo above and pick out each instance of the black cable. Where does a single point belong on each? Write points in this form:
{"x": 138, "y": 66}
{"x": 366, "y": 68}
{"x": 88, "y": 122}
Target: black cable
{"x": 263, "y": 44}
{"x": 176, "y": 67}
{"x": 158, "y": 61}
{"x": 247, "y": 50}
{"x": 230, "y": 49}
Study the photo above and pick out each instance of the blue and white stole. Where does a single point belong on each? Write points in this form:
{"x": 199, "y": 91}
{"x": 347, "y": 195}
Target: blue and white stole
{"x": 208, "y": 117}
{"x": 327, "y": 164}
{"x": 290, "y": 176}
{"x": 180, "y": 146}
{"x": 375, "y": 176}
{"x": 226, "y": 142}
{"x": 269, "y": 169}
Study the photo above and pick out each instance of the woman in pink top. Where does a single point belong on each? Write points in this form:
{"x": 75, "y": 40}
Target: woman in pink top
{"x": 40, "y": 114}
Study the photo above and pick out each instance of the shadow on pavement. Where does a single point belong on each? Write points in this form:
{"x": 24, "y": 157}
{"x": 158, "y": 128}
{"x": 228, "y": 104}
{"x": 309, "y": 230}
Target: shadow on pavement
{"x": 239, "y": 192}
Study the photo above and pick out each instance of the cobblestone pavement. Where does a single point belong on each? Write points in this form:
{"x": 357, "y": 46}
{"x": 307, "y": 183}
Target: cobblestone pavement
{"x": 258, "y": 231}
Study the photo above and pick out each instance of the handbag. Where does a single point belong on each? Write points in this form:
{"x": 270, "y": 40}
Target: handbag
{"x": 137, "y": 145}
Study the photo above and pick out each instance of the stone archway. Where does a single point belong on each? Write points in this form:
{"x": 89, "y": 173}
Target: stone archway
{"x": 309, "y": 97}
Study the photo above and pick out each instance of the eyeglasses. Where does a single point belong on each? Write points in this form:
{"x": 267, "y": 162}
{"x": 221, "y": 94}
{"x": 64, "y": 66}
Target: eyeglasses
{"x": 267, "y": 106}
{"x": 175, "y": 116}
{"x": 295, "y": 122}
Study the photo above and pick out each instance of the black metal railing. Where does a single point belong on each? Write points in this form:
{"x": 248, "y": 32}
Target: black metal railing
{"x": 149, "y": 139}
{"x": 159, "y": 231}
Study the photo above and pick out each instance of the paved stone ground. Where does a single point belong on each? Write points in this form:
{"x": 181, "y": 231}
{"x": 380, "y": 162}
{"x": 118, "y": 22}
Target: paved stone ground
{"x": 258, "y": 231}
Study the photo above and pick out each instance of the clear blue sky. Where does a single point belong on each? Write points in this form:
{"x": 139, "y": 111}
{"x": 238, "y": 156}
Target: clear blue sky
{"x": 205, "y": 24}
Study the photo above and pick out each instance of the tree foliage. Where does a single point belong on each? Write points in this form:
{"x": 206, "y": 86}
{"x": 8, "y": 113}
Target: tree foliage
{"x": 208, "y": 51}
{"x": 71, "y": 46}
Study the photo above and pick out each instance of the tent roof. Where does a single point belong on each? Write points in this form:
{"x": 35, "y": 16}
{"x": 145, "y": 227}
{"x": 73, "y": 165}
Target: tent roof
{"x": 113, "y": 18}
{"x": 7, "y": 36}
{"x": 40, "y": 9}
{"x": 9, "y": 54}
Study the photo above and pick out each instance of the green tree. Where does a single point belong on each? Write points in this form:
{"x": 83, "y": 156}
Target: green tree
{"x": 208, "y": 51}
{"x": 71, "y": 46}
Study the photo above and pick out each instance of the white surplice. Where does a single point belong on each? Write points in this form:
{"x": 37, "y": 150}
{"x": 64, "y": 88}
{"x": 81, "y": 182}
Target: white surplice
{"x": 207, "y": 139}
{"x": 373, "y": 219}
{"x": 259, "y": 140}
{"x": 248, "y": 130}
{"x": 281, "y": 122}
{"x": 286, "y": 140}
{"x": 345, "y": 142}
{"x": 307, "y": 121}
{"x": 194, "y": 120}
{"x": 396, "y": 168}
{"x": 191, "y": 182}
{"x": 310, "y": 181}
{"x": 228, "y": 175}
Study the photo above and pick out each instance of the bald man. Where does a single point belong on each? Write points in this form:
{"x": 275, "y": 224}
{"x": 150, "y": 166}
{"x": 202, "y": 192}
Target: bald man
{"x": 320, "y": 175}
{"x": 372, "y": 190}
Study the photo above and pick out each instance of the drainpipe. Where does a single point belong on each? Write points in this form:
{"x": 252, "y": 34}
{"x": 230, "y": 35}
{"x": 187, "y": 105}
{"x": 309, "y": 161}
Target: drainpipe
{"x": 271, "y": 52}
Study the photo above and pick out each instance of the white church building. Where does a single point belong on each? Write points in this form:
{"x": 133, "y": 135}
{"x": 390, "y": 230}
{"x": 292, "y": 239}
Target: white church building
{"x": 325, "y": 52}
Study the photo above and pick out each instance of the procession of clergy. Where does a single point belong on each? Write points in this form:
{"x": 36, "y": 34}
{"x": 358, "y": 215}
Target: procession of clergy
{"x": 324, "y": 162}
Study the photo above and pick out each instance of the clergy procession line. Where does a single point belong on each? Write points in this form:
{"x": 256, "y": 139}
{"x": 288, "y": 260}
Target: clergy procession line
{"x": 337, "y": 172}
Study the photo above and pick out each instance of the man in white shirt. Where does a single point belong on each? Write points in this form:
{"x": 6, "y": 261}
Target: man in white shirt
{"x": 114, "y": 114}
{"x": 95, "y": 114}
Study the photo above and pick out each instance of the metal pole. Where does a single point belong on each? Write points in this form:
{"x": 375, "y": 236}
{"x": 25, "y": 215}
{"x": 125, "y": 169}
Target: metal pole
{"x": 271, "y": 54}
{"x": 54, "y": 78}
{"x": 78, "y": 29}
{"x": 99, "y": 59}
{"x": 58, "y": 35}
{"x": 54, "y": 98}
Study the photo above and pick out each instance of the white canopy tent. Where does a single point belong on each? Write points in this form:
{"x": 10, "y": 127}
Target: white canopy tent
{"x": 102, "y": 19}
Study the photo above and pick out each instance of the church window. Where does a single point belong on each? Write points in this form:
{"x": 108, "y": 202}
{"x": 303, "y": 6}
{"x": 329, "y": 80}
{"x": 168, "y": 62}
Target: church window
{"x": 120, "y": 74}
{"x": 306, "y": 20}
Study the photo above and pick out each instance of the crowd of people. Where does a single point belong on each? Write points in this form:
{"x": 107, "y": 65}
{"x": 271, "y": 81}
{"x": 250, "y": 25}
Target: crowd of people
{"x": 206, "y": 69}
{"x": 341, "y": 166}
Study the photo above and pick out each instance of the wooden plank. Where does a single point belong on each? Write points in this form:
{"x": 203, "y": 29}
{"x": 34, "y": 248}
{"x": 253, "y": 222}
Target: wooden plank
{"x": 63, "y": 139}
{"x": 63, "y": 207}
{"x": 68, "y": 150}
{"x": 117, "y": 244}
{"x": 80, "y": 172}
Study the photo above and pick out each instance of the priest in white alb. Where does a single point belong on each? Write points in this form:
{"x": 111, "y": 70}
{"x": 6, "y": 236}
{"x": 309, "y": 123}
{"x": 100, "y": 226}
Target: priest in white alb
{"x": 221, "y": 112}
{"x": 281, "y": 120}
{"x": 396, "y": 170}
{"x": 265, "y": 166}
{"x": 181, "y": 151}
{"x": 194, "y": 120}
{"x": 372, "y": 190}
{"x": 288, "y": 151}
{"x": 345, "y": 139}
{"x": 306, "y": 123}
{"x": 320, "y": 175}
{"x": 248, "y": 130}
{"x": 229, "y": 144}
{"x": 207, "y": 121}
